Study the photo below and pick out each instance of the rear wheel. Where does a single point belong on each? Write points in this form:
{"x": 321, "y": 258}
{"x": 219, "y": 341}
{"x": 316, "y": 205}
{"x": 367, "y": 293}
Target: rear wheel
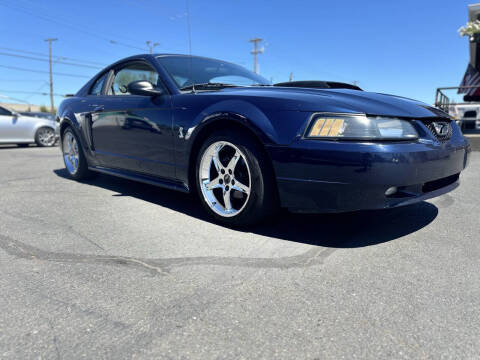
{"x": 234, "y": 180}
{"x": 73, "y": 156}
{"x": 45, "y": 136}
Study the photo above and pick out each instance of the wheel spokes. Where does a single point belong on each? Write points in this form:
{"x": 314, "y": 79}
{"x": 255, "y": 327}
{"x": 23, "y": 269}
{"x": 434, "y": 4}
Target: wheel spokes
{"x": 71, "y": 153}
{"x": 226, "y": 199}
{"x": 241, "y": 187}
{"x": 216, "y": 158}
{"x": 233, "y": 162}
{"x": 213, "y": 184}
{"x": 218, "y": 179}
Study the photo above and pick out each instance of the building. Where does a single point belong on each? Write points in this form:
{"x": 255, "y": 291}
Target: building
{"x": 21, "y": 107}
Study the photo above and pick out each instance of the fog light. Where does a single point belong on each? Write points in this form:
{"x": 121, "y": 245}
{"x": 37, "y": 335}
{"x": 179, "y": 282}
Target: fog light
{"x": 391, "y": 190}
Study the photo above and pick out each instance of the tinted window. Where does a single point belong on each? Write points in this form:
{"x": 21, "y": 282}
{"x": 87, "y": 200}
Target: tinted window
{"x": 4, "y": 111}
{"x": 130, "y": 73}
{"x": 97, "y": 87}
{"x": 186, "y": 70}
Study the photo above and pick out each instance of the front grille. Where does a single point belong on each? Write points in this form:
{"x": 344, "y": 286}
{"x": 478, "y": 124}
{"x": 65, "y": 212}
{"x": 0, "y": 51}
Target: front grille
{"x": 431, "y": 128}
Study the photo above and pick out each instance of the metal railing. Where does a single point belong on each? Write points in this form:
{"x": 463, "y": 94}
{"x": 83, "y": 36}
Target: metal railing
{"x": 443, "y": 102}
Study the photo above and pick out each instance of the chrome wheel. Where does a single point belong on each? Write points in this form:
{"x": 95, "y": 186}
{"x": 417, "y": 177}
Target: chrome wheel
{"x": 225, "y": 179}
{"x": 71, "y": 155}
{"x": 46, "y": 136}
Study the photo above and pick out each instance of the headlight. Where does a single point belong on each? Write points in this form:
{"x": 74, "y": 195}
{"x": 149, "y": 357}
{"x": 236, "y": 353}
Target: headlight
{"x": 359, "y": 127}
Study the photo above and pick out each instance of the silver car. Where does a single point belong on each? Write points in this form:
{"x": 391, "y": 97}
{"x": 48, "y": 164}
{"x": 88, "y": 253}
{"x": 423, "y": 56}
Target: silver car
{"x": 23, "y": 130}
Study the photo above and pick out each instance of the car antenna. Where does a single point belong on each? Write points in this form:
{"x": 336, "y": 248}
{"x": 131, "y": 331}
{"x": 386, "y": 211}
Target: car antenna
{"x": 189, "y": 34}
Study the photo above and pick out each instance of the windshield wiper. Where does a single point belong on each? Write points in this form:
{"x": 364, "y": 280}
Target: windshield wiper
{"x": 209, "y": 85}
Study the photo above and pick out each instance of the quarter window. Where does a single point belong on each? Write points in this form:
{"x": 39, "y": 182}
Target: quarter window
{"x": 97, "y": 87}
{"x": 130, "y": 73}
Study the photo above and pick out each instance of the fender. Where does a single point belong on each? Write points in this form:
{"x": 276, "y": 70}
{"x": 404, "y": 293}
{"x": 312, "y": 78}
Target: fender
{"x": 241, "y": 111}
{"x": 238, "y": 111}
{"x": 68, "y": 117}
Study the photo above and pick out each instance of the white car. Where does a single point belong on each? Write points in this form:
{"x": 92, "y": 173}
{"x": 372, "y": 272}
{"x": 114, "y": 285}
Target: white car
{"x": 23, "y": 130}
{"x": 467, "y": 115}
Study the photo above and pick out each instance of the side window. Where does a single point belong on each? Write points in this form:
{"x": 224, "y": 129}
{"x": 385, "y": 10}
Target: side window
{"x": 96, "y": 89}
{"x": 5, "y": 112}
{"x": 134, "y": 72}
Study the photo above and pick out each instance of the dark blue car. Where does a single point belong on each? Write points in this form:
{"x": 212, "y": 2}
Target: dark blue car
{"x": 246, "y": 147}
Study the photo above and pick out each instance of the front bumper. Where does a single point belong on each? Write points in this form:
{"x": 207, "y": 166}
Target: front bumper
{"x": 326, "y": 176}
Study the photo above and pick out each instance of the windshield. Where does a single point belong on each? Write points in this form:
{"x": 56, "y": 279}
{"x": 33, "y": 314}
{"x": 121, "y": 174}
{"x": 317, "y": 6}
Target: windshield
{"x": 187, "y": 71}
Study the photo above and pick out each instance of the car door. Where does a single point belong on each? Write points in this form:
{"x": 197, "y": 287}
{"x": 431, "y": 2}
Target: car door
{"x": 133, "y": 132}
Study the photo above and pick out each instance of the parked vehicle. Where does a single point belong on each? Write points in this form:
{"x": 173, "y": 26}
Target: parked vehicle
{"x": 39, "y": 114}
{"x": 466, "y": 113}
{"x": 463, "y": 102}
{"x": 201, "y": 125}
{"x": 22, "y": 130}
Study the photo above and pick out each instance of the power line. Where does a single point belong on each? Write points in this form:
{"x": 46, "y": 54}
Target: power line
{"x": 21, "y": 80}
{"x": 30, "y": 92}
{"x": 80, "y": 29}
{"x": 115, "y": 42}
{"x": 43, "y": 72}
{"x": 46, "y": 60}
{"x": 27, "y": 98}
{"x": 14, "y": 99}
{"x": 46, "y": 55}
{"x": 79, "y": 26}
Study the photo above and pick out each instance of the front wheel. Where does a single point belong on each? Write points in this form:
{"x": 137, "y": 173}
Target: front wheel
{"x": 73, "y": 156}
{"x": 234, "y": 179}
{"x": 45, "y": 137}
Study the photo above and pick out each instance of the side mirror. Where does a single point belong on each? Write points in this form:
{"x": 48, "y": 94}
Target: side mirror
{"x": 143, "y": 87}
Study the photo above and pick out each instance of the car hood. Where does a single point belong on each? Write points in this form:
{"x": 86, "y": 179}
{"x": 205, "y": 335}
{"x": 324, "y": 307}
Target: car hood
{"x": 336, "y": 100}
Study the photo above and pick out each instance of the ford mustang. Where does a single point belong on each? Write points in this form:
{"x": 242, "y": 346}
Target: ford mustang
{"x": 247, "y": 148}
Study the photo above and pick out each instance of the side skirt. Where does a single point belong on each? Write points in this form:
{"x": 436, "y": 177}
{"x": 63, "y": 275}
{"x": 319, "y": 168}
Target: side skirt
{"x": 168, "y": 184}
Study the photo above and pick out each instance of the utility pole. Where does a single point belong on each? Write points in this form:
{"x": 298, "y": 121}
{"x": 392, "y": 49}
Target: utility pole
{"x": 290, "y": 78}
{"x": 255, "y": 52}
{"x": 151, "y": 45}
{"x": 50, "y": 40}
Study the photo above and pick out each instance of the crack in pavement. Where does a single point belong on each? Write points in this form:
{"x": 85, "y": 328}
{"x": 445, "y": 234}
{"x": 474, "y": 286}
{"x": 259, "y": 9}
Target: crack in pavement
{"x": 44, "y": 222}
{"x": 163, "y": 266}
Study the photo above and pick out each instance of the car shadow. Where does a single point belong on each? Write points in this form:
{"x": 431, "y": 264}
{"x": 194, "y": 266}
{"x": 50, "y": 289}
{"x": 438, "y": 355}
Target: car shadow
{"x": 343, "y": 230}
{"x": 14, "y": 146}
{"x": 26, "y": 146}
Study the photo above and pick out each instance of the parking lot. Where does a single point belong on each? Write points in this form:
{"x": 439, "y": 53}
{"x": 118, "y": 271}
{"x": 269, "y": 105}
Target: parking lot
{"x": 115, "y": 269}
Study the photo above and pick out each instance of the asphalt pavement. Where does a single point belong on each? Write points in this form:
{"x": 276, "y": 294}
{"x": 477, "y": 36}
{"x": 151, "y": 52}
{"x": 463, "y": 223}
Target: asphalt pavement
{"x": 115, "y": 269}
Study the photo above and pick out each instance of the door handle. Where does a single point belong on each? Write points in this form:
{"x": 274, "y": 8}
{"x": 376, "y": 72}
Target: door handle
{"x": 97, "y": 107}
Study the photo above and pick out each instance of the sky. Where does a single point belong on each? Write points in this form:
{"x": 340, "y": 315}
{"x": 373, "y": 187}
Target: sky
{"x": 406, "y": 48}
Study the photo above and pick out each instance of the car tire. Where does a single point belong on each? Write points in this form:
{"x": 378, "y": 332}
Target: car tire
{"x": 237, "y": 188}
{"x": 45, "y": 137}
{"x": 73, "y": 156}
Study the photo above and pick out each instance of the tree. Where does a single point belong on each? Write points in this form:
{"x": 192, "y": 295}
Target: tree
{"x": 43, "y": 108}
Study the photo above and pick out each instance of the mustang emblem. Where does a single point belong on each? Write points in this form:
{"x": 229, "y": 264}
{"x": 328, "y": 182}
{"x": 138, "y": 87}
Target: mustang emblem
{"x": 441, "y": 128}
